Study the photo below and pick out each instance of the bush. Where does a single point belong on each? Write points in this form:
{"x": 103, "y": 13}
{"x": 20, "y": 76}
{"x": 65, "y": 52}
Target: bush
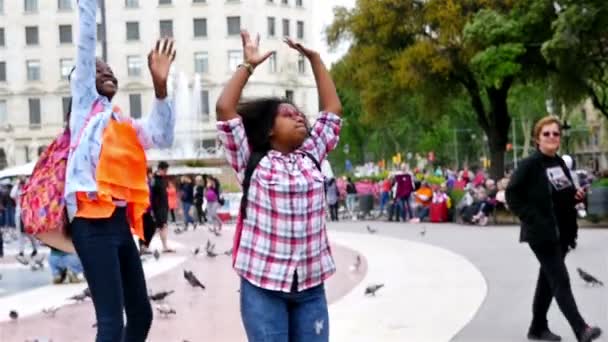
{"x": 456, "y": 195}
{"x": 600, "y": 183}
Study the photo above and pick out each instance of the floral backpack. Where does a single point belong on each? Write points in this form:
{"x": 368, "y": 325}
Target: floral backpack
{"x": 43, "y": 209}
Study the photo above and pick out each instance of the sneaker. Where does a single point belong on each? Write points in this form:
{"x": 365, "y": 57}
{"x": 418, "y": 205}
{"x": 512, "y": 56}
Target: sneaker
{"x": 60, "y": 278}
{"x": 546, "y": 335}
{"x": 590, "y": 334}
{"x": 75, "y": 278}
{"x": 34, "y": 253}
{"x": 483, "y": 221}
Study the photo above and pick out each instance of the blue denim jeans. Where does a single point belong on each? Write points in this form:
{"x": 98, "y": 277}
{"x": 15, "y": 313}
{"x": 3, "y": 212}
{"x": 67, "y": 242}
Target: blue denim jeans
{"x": 186, "y": 208}
{"x": 274, "y": 316}
{"x": 60, "y": 263}
{"x": 115, "y": 276}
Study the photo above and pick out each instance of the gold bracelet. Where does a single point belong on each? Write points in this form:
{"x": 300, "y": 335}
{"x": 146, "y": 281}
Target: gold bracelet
{"x": 247, "y": 66}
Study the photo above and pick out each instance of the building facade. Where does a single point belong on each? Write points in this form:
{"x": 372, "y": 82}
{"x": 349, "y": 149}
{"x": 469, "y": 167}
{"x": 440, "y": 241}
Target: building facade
{"x": 37, "y": 51}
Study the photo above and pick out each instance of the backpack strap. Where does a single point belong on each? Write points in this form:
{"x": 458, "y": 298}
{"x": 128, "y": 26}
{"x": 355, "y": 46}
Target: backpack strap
{"x": 314, "y": 160}
{"x": 96, "y": 108}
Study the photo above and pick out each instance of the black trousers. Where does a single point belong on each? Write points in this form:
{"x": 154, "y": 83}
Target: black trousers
{"x": 333, "y": 212}
{"x": 200, "y": 213}
{"x": 554, "y": 282}
{"x": 149, "y": 229}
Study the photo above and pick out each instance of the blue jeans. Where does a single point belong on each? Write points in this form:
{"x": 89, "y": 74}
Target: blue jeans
{"x": 404, "y": 208}
{"x": 115, "y": 276}
{"x": 186, "y": 208}
{"x": 384, "y": 198}
{"x": 61, "y": 263}
{"x": 274, "y": 316}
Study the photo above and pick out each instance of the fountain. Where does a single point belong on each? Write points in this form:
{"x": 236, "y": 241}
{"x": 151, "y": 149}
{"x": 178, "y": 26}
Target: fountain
{"x": 189, "y": 122}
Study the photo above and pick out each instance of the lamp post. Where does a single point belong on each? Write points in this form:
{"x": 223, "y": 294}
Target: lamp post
{"x": 566, "y": 129}
{"x": 104, "y": 36}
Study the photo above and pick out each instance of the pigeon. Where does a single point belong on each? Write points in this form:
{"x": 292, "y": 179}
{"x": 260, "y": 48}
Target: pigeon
{"x": 82, "y": 296}
{"x": 50, "y": 311}
{"x": 156, "y": 254}
{"x": 13, "y": 315}
{"x": 22, "y": 260}
{"x": 94, "y": 325}
{"x": 37, "y": 264}
{"x": 228, "y": 252}
{"x": 372, "y": 289}
{"x": 371, "y": 230}
{"x": 355, "y": 267}
{"x": 165, "y": 310}
{"x": 160, "y": 296}
{"x": 192, "y": 280}
{"x": 211, "y": 254}
{"x": 588, "y": 278}
{"x": 178, "y": 231}
{"x": 423, "y": 231}
{"x": 196, "y": 251}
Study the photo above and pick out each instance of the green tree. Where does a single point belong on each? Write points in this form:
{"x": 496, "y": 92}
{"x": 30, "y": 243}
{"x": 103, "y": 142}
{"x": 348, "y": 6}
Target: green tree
{"x": 441, "y": 49}
{"x": 578, "y": 50}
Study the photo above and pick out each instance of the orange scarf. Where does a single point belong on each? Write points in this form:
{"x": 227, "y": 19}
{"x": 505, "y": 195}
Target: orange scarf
{"x": 121, "y": 175}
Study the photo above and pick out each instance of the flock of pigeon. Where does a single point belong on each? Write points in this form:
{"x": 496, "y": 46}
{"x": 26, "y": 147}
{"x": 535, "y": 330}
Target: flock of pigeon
{"x": 158, "y": 298}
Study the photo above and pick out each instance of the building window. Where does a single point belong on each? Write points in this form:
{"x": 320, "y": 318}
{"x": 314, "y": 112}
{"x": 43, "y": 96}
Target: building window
{"x": 272, "y": 63}
{"x": 64, "y": 5}
{"x": 200, "y": 27}
{"x": 34, "y": 105}
{"x": 164, "y": 2}
{"x": 33, "y": 70}
{"x": 301, "y": 64}
{"x": 234, "y": 25}
{"x": 205, "y": 102}
{"x": 1, "y": 6}
{"x": 285, "y": 2}
{"x": 2, "y": 71}
{"x": 66, "y": 102}
{"x": 135, "y": 105}
{"x": 134, "y": 65}
{"x": 166, "y": 28}
{"x": 3, "y": 112}
{"x": 300, "y": 30}
{"x": 99, "y": 32}
{"x": 31, "y": 35}
{"x": 234, "y": 59}
{"x": 131, "y": 3}
{"x": 65, "y": 34}
{"x": 201, "y": 62}
{"x": 286, "y": 27}
{"x": 2, "y": 40}
{"x": 132, "y": 30}
{"x": 299, "y": 3}
{"x": 199, "y": 1}
{"x": 289, "y": 95}
{"x": 271, "y": 27}
{"x": 65, "y": 67}
{"x": 30, "y": 6}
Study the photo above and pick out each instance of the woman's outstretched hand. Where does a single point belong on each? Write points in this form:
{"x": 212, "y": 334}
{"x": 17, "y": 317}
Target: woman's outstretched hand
{"x": 159, "y": 63}
{"x": 299, "y": 47}
{"x": 251, "y": 50}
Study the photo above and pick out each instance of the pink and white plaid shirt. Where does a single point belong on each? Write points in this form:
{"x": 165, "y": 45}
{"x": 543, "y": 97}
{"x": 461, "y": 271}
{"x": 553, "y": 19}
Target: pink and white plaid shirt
{"x": 284, "y": 230}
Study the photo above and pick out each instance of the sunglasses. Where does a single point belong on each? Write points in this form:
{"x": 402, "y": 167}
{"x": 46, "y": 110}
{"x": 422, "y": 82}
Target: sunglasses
{"x": 289, "y": 112}
{"x": 548, "y": 134}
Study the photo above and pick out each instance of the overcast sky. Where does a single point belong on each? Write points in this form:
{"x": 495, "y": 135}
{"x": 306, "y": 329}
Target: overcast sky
{"x": 323, "y": 16}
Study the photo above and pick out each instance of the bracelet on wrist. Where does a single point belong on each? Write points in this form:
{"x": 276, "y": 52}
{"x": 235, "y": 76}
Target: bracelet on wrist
{"x": 247, "y": 66}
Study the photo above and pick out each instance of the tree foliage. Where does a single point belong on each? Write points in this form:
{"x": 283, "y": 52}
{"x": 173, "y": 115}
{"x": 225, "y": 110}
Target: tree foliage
{"x": 435, "y": 51}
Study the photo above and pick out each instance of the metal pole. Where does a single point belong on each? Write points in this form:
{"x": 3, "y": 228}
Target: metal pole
{"x": 456, "y": 148}
{"x": 514, "y": 145}
{"x": 104, "y": 36}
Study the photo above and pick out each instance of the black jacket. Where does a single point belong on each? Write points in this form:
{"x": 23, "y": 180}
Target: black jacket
{"x": 529, "y": 196}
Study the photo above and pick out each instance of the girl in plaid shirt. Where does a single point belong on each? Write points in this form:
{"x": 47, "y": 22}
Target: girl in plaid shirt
{"x": 281, "y": 250}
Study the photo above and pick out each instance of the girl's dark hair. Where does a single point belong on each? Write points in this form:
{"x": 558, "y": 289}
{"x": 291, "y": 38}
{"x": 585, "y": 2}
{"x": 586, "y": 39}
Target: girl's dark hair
{"x": 258, "y": 119}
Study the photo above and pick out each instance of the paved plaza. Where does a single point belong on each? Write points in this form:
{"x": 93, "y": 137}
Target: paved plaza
{"x": 443, "y": 282}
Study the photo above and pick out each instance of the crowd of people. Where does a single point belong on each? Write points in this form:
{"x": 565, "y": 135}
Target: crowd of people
{"x": 440, "y": 195}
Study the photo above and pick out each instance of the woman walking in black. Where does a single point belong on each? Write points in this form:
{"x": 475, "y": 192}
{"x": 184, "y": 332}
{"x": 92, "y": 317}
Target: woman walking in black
{"x": 542, "y": 194}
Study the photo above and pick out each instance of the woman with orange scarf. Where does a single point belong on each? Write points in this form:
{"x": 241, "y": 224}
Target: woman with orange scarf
{"x": 106, "y": 190}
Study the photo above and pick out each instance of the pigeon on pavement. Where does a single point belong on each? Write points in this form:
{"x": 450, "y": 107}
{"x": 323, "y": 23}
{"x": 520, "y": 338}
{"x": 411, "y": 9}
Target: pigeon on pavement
{"x": 372, "y": 289}
{"x": 13, "y": 315}
{"x": 588, "y": 278}
{"x": 160, "y": 296}
{"x": 355, "y": 267}
{"x": 193, "y": 280}
{"x": 371, "y": 230}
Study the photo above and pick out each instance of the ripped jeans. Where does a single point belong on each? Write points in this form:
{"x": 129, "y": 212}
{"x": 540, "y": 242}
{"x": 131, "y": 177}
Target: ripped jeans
{"x": 274, "y": 316}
